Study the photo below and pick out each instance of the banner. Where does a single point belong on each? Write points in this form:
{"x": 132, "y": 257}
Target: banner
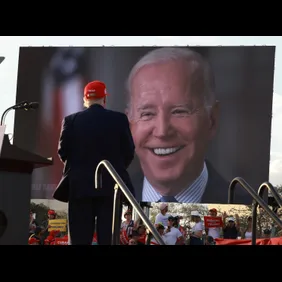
{"x": 219, "y": 241}
{"x": 213, "y": 221}
{"x": 64, "y": 240}
{"x": 271, "y": 241}
{"x": 61, "y": 241}
{"x": 57, "y": 224}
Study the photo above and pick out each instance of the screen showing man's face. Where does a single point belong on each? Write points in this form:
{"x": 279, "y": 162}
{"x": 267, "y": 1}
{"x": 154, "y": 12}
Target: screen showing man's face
{"x": 170, "y": 124}
{"x": 166, "y": 114}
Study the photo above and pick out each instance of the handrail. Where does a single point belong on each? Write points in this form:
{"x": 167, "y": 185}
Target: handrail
{"x": 267, "y": 185}
{"x": 129, "y": 196}
{"x": 257, "y": 199}
{"x": 262, "y": 188}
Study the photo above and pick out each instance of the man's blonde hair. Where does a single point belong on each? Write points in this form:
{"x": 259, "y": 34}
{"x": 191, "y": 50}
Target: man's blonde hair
{"x": 88, "y": 103}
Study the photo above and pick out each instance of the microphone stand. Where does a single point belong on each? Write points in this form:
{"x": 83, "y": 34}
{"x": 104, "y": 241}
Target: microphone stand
{"x": 9, "y": 109}
{"x": 4, "y": 115}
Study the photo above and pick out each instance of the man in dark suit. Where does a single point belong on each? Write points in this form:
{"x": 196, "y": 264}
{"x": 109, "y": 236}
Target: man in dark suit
{"x": 174, "y": 114}
{"x": 88, "y": 137}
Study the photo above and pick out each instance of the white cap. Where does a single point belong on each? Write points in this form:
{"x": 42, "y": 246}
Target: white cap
{"x": 231, "y": 218}
{"x": 195, "y": 213}
{"x": 163, "y": 206}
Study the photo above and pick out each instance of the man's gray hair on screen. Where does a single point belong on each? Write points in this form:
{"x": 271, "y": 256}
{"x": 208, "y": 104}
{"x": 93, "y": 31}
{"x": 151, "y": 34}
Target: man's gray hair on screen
{"x": 196, "y": 64}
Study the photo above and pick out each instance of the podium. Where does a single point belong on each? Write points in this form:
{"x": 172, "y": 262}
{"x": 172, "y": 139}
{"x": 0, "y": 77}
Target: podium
{"x": 16, "y": 167}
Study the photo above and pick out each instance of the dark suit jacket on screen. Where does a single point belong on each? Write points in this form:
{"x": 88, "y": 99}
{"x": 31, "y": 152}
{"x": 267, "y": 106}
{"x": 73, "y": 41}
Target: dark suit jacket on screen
{"x": 216, "y": 190}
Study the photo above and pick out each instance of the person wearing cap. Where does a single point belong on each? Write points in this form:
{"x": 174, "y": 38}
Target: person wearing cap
{"x": 213, "y": 232}
{"x": 88, "y": 137}
{"x": 163, "y": 215}
{"x": 232, "y": 227}
{"x": 52, "y": 214}
{"x": 196, "y": 234}
{"x": 45, "y": 224}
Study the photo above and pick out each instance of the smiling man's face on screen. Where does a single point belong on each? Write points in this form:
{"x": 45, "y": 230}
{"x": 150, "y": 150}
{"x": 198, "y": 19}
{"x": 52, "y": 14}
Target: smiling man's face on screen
{"x": 171, "y": 125}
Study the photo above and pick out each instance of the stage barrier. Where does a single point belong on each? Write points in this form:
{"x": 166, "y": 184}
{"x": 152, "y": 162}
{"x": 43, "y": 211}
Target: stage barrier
{"x": 271, "y": 241}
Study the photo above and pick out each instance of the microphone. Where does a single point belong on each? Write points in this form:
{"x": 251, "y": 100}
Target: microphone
{"x": 25, "y": 105}
{"x": 32, "y": 106}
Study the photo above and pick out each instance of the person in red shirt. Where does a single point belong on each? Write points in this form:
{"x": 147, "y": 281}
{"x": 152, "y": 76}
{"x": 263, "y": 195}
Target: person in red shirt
{"x": 180, "y": 227}
{"x": 33, "y": 241}
{"x": 141, "y": 230}
{"x": 49, "y": 240}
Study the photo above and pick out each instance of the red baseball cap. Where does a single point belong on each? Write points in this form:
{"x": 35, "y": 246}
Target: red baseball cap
{"x": 213, "y": 210}
{"x": 51, "y": 212}
{"x": 95, "y": 90}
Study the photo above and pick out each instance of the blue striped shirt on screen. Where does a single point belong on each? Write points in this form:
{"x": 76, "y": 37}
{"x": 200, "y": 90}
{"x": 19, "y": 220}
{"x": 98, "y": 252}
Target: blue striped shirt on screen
{"x": 192, "y": 194}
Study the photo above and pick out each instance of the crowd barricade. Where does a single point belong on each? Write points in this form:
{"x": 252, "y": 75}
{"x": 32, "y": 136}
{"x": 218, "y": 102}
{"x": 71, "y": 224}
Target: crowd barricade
{"x": 271, "y": 241}
{"x": 124, "y": 241}
{"x": 64, "y": 240}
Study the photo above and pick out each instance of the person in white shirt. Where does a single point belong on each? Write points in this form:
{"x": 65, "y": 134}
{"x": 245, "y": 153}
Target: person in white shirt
{"x": 247, "y": 233}
{"x": 172, "y": 235}
{"x": 162, "y": 216}
{"x": 196, "y": 233}
{"x": 213, "y": 232}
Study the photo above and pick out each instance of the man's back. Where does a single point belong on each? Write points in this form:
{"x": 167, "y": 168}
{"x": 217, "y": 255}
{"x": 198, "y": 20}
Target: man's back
{"x": 93, "y": 135}
{"x": 87, "y": 138}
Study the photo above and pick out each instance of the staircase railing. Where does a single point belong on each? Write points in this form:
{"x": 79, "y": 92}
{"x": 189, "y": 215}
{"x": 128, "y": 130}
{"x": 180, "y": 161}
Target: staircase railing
{"x": 258, "y": 200}
{"x": 120, "y": 186}
{"x": 268, "y": 186}
{"x": 262, "y": 189}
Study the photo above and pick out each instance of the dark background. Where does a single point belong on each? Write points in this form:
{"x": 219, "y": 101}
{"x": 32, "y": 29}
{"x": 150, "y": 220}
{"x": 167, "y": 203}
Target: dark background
{"x": 244, "y": 79}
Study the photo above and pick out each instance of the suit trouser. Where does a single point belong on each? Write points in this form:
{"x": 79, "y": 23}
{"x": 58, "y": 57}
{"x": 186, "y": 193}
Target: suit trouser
{"x": 82, "y": 219}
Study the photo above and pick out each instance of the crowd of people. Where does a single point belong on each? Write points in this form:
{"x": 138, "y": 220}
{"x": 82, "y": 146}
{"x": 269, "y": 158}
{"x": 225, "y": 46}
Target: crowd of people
{"x": 170, "y": 227}
{"x": 196, "y": 233}
{"x": 39, "y": 234}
